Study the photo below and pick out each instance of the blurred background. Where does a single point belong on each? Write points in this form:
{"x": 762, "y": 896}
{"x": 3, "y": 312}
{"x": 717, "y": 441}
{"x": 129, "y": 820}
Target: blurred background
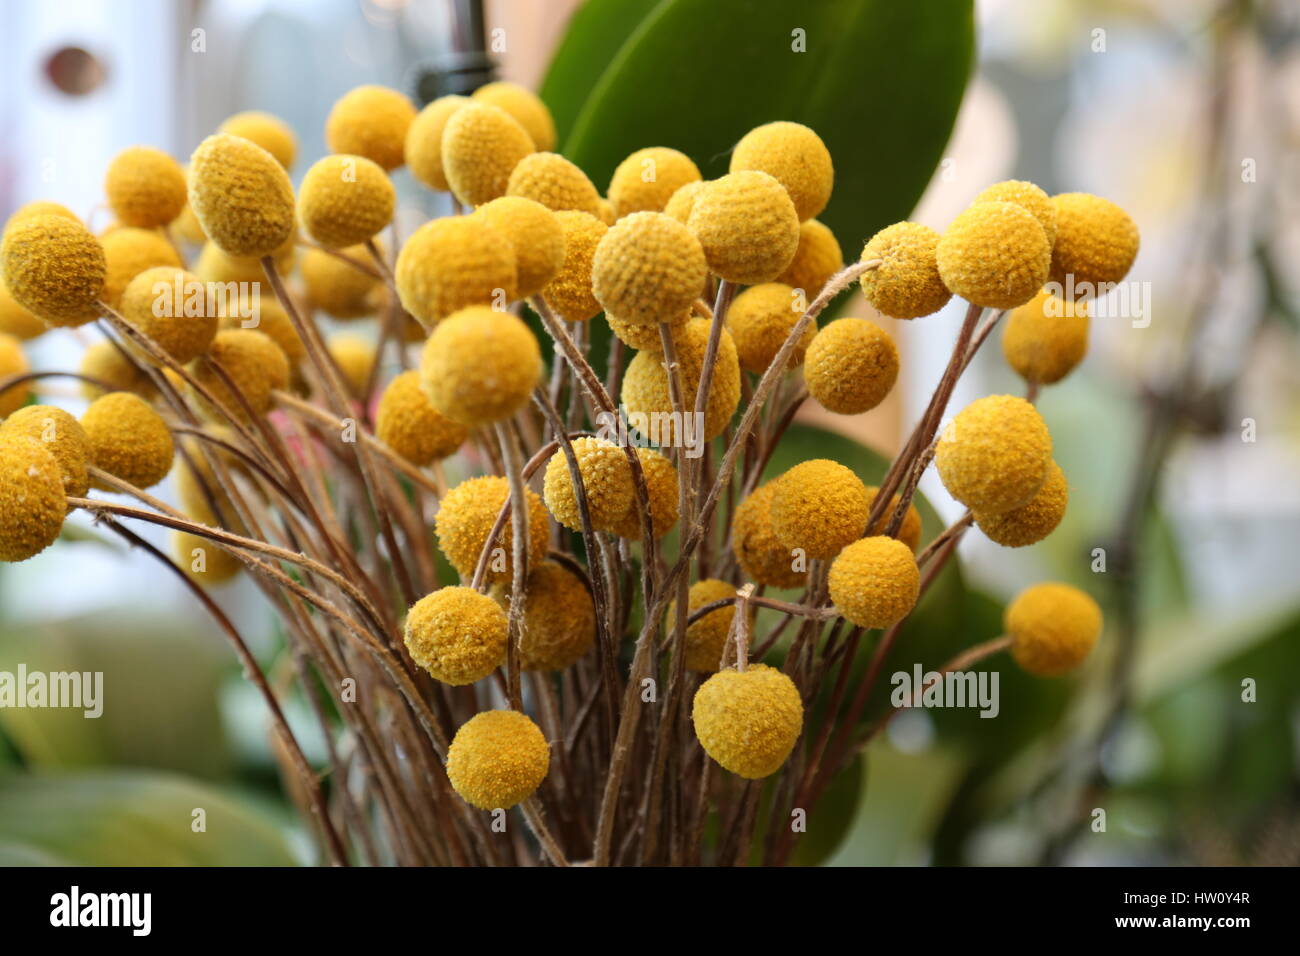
{"x": 1180, "y": 433}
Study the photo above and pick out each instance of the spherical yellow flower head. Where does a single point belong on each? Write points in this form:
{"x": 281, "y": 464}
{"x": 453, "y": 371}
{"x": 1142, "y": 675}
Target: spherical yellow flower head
{"x": 994, "y": 455}
{"x": 13, "y": 361}
{"x": 62, "y": 435}
{"x": 646, "y": 180}
{"x": 681, "y": 202}
{"x": 605, "y": 212}
{"x": 270, "y": 132}
{"x": 241, "y": 195}
{"x": 337, "y": 288}
{"x": 171, "y": 306}
{"x": 661, "y": 491}
{"x": 273, "y": 321}
{"x": 816, "y": 260}
{"x": 252, "y": 361}
{"x": 455, "y": 262}
{"x": 1031, "y": 522}
{"x": 465, "y": 519}
{"x": 203, "y": 561}
{"x": 32, "y": 500}
{"x": 188, "y": 227}
{"x": 54, "y": 268}
{"x": 408, "y": 424}
{"x": 748, "y": 721}
{"x": 354, "y": 357}
{"x": 370, "y": 121}
{"x": 1046, "y": 338}
{"x": 127, "y": 253}
{"x": 104, "y": 362}
{"x": 480, "y": 366}
{"x": 796, "y": 157}
{"x": 345, "y": 200}
{"x": 1096, "y": 243}
{"x": 497, "y": 759}
{"x": 569, "y": 294}
{"x": 41, "y": 207}
{"x": 994, "y": 255}
{"x": 648, "y": 268}
{"x": 1052, "y": 627}
{"x": 753, "y": 538}
{"x": 128, "y": 439}
{"x": 424, "y": 141}
{"x": 17, "y": 321}
{"x": 1029, "y": 197}
{"x": 556, "y": 183}
{"x": 706, "y": 638}
{"x": 214, "y": 265}
{"x": 645, "y": 338}
{"x": 456, "y": 634}
{"x": 747, "y": 225}
{"x": 906, "y": 285}
{"x": 145, "y": 187}
{"x": 874, "y": 582}
{"x": 648, "y": 398}
{"x": 535, "y": 235}
{"x": 481, "y": 145}
{"x": 525, "y": 106}
{"x": 606, "y": 476}
{"x": 819, "y": 507}
{"x": 559, "y": 618}
{"x": 760, "y": 320}
{"x": 851, "y": 365}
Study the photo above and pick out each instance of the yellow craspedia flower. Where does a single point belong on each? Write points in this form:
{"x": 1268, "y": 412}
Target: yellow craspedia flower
{"x": 370, "y": 121}
{"x": 706, "y": 638}
{"x": 661, "y": 492}
{"x": 643, "y": 337}
{"x": 456, "y": 634}
{"x": 354, "y": 357}
{"x": 54, "y": 268}
{"x": 646, "y": 391}
{"x": 128, "y": 439}
{"x": 481, "y": 145}
{"x": 188, "y": 227}
{"x": 337, "y": 288}
{"x": 906, "y": 285}
{"x": 535, "y": 235}
{"x": 172, "y": 307}
{"x": 32, "y": 500}
{"x": 253, "y": 362}
{"x": 408, "y": 424}
{"x": 646, "y": 180}
{"x": 1028, "y": 196}
{"x": 1096, "y": 243}
{"x": 909, "y": 532}
{"x": 874, "y": 582}
{"x": 559, "y": 618}
{"x": 62, "y": 435}
{"x": 480, "y": 366}
{"x": 465, "y": 519}
{"x": 569, "y": 294}
{"x": 202, "y": 560}
{"x": 555, "y": 182}
{"x": 41, "y": 207}
{"x": 525, "y": 106}
{"x": 127, "y": 253}
{"x": 13, "y": 361}
{"x": 815, "y": 261}
{"x": 605, "y": 212}
{"x": 796, "y": 157}
{"x": 850, "y": 366}
{"x": 1046, "y": 338}
{"x": 266, "y": 130}
{"x": 753, "y": 538}
{"x": 994, "y": 455}
{"x": 819, "y": 507}
{"x": 272, "y": 320}
{"x": 747, "y": 225}
{"x": 241, "y": 196}
{"x": 681, "y": 202}
{"x": 215, "y": 265}
{"x": 648, "y": 268}
{"x": 16, "y": 320}
{"x": 606, "y": 477}
{"x": 104, "y": 362}
{"x": 1052, "y": 627}
{"x": 994, "y": 255}
{"x": 344, "y": 200}
{"x": 760, "y": 320}
{"x": 748, "y": 721}
{"x": 423, "y": 148}
{"x": 1034, "y": 520}
{"x": 451, "y": 263}
{"x": 497, "y": 759}
{"x": 145, "y": 187}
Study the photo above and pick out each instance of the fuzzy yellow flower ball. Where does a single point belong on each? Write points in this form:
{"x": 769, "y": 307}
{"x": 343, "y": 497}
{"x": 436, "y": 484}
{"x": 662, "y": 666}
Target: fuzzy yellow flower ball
{"x": 819, "y": 507}
{"x": 1052, "y": 627}
{"x": 17, "y": 321}
{"x": 62, "y": 435}
{"x": 128, "y": 439}
{"x": 648, "y": 398}
{"x": 41, "y": 207}
{"x": 54, "y": 268}
{"x": 32, "y": 499}
{"x": 424, "y": 141}
{"x": 569, "y": 294}
{"x": 1033, "y": 521}
{"x": 253, "y": 362}
{"x": 994, "y": 455}
{"x": 266, "y": 130}
{"x": 747, "y": 225}
{"x": 370, "y": 121}
{"x": 555, "y": 182}
{"x": 647, "y": 179}
{"x": 661, "y": 492}
{"x": 816, "y": 260}
{"x": 535, "y": 235}
{"x": 273, "y": 321}
{"x": 145, "y": 187}
{"x": 127, "y": 253}
{"x": 241, "y": 196}
{"x": 682, "y": 201}
{"x": 1096, "y": 243}
{"x": 481, "y": 145}
{"x": 171, "y": 307}
{"x": 345, "y": 200}
{"x": 451, "y": 263}
{"x": 606, "y": 477}
{"x": 456, "y": 634}
{"x": 706, "y": 638}
{"x": 909, "y": 532}
{"x": 648, "y": 268}
{"x": 337, "y": 288}
{"x": 906, "y": 285}
{"x": 13, "y": 361}
{"x": 408, "y": 424}
{"x": 1046, "y": 338}
{"x": 874, "y": 582}
{"x": 559, "y": 618}
{"x": 851, "y": 365}
{"x": 465, "y": 519}
{"x": 203, "y": 560}
{"x": 104, "y": 362}
{"x": 497, "y": 759}
{"x": 753, "y": 538}
{"x": 354, "y": 357}
{"x": 1027, "y": 195}
{"x": 215, "y": 265}
{"x": 480, "y": 366}
{"x": 525, "y": 106}
{"x": 760, "y": 320}
{"x": 796, "y": 157}
{"x": 994, "y": 255}
{"x": 748, "y": 721}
